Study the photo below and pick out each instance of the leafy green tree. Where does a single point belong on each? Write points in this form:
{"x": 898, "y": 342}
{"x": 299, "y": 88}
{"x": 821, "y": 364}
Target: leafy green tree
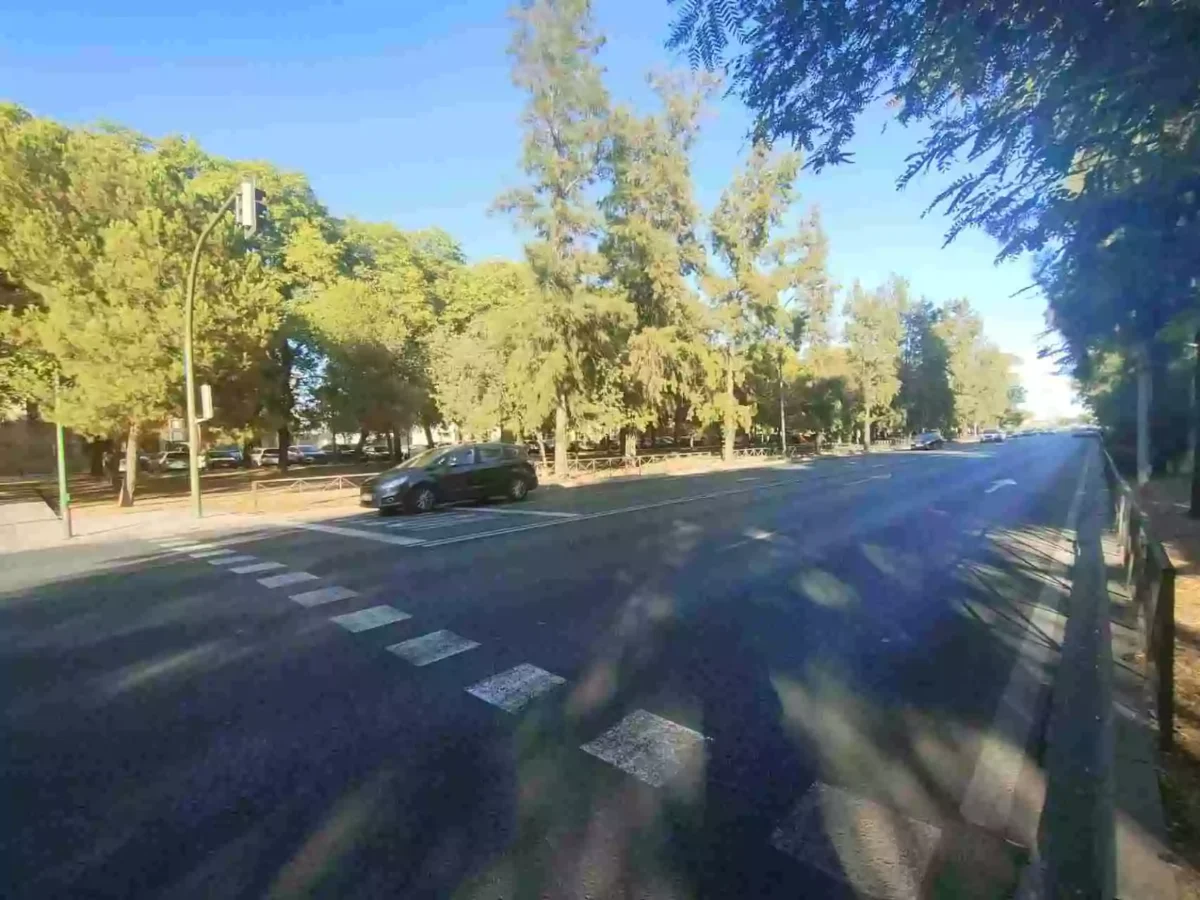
{"x": 745, "y": 294}
{"x": 566, "y": 125}
{"x": 925, "y": 396}
{"x": 873, "y": 335}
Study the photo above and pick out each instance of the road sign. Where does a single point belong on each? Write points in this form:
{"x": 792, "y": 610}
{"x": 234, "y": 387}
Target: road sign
{"x": 206, "y": 404}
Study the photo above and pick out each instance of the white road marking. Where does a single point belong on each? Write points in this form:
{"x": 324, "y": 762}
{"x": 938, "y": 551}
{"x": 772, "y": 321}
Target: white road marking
{"x": 204, "y": 554}
{"x": 231, "y": 560}
{"x": 988, "y": 799}
{"x": 751, "y": 478}
{"x": 434, "y": 523}
{"x": 397, "y": 539}
{"x": 878, "y": 851}
{"x": 371, "y": 617}
{"x": 171, "y": 542}
{"x": 527, "y": 512}
{"x": 649, "y": 747}
{"x": 257, "y": 567}
{"x": 432, "y": 647}
{"x": 323, "y": 595}
{"x": 513, "y": 689}
{"x": 869, "y": 478}
{"x": 197, "y": 546}
{"x": 274, "y": 581}
{"x": 996, "y": 485}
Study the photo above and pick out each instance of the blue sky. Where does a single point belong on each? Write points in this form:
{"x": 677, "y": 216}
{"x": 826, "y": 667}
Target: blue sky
{"x": 404, "y": 111}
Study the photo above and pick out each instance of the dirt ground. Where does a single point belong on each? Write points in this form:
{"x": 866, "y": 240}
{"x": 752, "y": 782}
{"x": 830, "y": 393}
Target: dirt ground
{"x": 1166, "y": 501}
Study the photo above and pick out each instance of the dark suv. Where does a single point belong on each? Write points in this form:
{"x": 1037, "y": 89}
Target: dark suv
{"x": 451, "y": 474}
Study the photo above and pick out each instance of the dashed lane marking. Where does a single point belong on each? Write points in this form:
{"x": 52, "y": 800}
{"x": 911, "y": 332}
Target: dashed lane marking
{"x": 283, "y": 580}
{"x": 257, "y": 567}
{"x": 232, "y": 560}
{"x": 878, "y": 851}
{"x": 323, "y": 595}
{"x": 649, "y": 747}
{"x": 371, "y": 617}
{"x": 513, "y": 689}
{"x": 432, "y": 647}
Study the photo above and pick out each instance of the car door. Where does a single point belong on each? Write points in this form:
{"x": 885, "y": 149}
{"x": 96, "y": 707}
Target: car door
{"x": 455, "y": 475}
{"x": 491, "y": 471}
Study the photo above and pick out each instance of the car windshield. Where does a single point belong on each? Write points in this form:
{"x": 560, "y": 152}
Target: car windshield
{"x": 306, "y": 448}
{"x": 422, "y": 459}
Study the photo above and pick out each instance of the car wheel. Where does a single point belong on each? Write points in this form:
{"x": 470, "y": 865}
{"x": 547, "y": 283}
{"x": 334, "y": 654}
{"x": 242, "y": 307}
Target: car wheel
{"x": 518, "y": 489}
{"x": 422, "y": 499}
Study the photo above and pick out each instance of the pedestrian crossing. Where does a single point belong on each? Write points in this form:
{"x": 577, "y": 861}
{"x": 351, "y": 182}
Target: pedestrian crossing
{"x": 878, "y": 851}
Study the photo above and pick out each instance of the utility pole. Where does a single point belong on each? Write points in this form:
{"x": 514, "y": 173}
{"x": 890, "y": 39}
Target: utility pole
{"x": 249, "y": 209}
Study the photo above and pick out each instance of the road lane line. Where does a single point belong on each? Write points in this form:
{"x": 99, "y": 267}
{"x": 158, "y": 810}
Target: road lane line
{"x": 649, "y": 747}
{"x": 527, "y": 512}
{"x": 171, "y": 542}
{"x": 513, "y": 689}
{"x": 231, "y": 560}
{"x": 988, "y": 799}
{"x": 371, "y": 617}
{"x": 324, "y": 595}
{"x": 257, "y": 567}
{"x": 397, "y": 539}
{"x": 274, "y": 581}
{"x": 204, "y": 554}
{"x": 432, "y": 647}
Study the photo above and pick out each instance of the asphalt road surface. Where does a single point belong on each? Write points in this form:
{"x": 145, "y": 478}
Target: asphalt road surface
{"x": 820, "y": 680}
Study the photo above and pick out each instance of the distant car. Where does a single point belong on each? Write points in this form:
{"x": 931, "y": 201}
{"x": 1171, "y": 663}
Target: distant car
{"x": 447, "y": 475}
{"x": 269, "y": 456}
{"x": 992, "y": 436}
{"x": 223, "y": 459}
{"x": 176, "y": 461}
{"x": 310, "y": 453}
{"x": 144, "y": 462}
{"x": 928, "y": 440}
{"x": 376, "y": 452}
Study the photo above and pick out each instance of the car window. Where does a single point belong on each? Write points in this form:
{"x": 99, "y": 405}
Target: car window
{"x": 463, "y": 456}
{"x": 512, "y": 453}
{"x": 489, "y": 454}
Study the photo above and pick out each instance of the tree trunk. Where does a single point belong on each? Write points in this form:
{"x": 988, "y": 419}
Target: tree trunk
{"x": 541, "y": 442}
{"x": 362, "y": 439}
{"x": 428, "y": 433}
{"x": 730, "y": 422}
{"x": 129, "y": 484}
{"x": 782, "y": 417}
{"x": 285, "y": 442}
{"x": 866, "y": 421}
{"x": 246, "y": 451}
{"x": 1143, "y": 421}
{"x": 677, "y": 431}
{"x": 96, "y": 451}
{"x": 560, "y": 439}
{"x": 1194, "y": 433}
{"x": 631, "y": 443}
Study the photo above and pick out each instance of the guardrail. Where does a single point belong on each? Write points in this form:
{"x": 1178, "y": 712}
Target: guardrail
{"x": 1150, "y": 577}
{"x": 634, "y": 465}
{"x": 301, "y": 485}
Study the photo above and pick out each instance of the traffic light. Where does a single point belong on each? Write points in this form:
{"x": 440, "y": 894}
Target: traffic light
{"x": 251, "y": 208}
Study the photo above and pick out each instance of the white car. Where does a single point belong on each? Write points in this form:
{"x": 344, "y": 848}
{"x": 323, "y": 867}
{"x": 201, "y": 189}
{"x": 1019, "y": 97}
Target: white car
{"x": 176, "y": 461}
{"x": 992, "y": 436}
{"x": 269, "y": 456}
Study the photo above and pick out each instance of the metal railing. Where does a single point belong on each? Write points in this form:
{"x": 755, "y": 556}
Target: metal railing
{"x": 301, "y": 485}
{"x": 1150, "y": 578}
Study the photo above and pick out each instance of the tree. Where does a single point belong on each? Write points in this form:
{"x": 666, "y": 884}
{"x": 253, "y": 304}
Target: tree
{"x": 746, "y": 295}
{"x": 652, "y": 252}
{"x": 925, "y": 396}
{"x": 873, "y": 334}
{"x": 565, "y": 122}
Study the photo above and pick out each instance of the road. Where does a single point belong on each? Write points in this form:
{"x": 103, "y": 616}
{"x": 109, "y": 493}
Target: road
{"x": 818, "y": 680}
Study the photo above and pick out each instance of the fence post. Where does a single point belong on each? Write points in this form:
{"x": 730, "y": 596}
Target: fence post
{"x": 254, "y": 495}
{"x": 1164, "y": 650}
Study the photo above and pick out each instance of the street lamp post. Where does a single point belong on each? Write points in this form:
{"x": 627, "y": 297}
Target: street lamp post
{"x": 247, "y": 219}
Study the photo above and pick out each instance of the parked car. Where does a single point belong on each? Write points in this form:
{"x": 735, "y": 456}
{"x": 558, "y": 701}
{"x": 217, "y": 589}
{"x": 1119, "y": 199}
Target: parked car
{"x": 145, "y": 462}
{"x": 992, "y": 436}
{"x": 375, "y": 452}
{"x": 310, "y": 453}
{"x": 223, "y": 459}
{"x": 928, "y": 440}
{"x": 269, "y": 456}
{"x": 447, "y": 475}
{"x": 176, "y": 461}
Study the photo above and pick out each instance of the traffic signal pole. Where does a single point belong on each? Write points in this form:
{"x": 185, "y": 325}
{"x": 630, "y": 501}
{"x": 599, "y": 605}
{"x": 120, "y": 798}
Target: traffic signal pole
{"x": 193, "y": 427}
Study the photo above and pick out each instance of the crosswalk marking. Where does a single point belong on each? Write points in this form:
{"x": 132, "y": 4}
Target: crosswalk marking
{"x": 257, "y": 567}
{"x": 878, "y": 851}
{"x": 371, "y": 617}
{"x": 171, "y": 542}
{"x": 432, "y": 647}
{"x": 513, "y": 689}
{"x": 323, "y": 595}
{"x": 232, "y": 560}
{"x": 286, "y": 578}
{"x": 649, "y": 747}
{"x": 204, "y": 554}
